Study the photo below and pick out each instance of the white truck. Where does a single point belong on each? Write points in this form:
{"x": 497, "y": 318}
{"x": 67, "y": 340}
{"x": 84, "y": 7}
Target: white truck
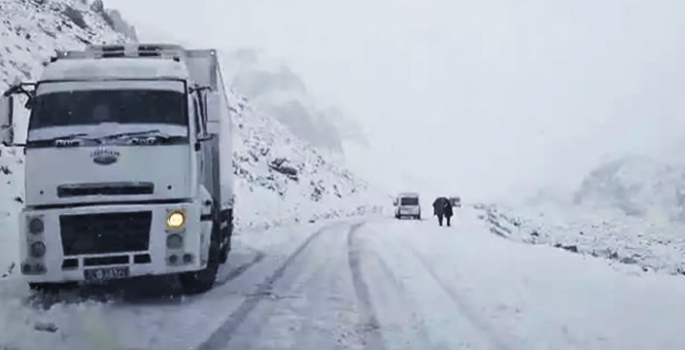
{"x": 128, "y": 166}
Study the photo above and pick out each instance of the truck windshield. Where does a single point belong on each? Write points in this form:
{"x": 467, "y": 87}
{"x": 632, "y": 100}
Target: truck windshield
{"x": 92, "y": 107}
{"x": 409, "y": 201}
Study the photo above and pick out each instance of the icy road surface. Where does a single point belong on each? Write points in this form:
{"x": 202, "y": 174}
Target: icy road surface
{"x": 379, "y": 284}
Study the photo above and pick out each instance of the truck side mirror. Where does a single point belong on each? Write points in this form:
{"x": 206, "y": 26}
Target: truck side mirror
{"x": 6, "y": 127}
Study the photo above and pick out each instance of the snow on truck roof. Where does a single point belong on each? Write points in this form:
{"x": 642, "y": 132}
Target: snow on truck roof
{"x": 115, "y": 68}
{"x": 408, "y": 194}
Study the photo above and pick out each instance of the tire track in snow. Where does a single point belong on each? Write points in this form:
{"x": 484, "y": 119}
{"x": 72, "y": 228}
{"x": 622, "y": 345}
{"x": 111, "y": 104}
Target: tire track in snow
{"x": 238, "y": 271}
{"x": 370, "y": 327}
{"x": 416, "y": 324}
{"x": 468, "y": 312}
{"x": 222, "y": 336}
{"x": 401, "y": 299}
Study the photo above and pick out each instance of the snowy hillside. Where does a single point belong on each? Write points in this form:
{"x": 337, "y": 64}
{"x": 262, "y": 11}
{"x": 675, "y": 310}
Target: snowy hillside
{"x": 280, "y": 178}
{"x": 271, "y": 163}
{"x": 629, "y": 210}
{"x": 31, "y": 31}
{"x": 638, "y": 186}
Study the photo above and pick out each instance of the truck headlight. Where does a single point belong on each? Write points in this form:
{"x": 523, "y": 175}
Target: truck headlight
{"x": 175, "y": 220}
{"x": 36, "y": 226}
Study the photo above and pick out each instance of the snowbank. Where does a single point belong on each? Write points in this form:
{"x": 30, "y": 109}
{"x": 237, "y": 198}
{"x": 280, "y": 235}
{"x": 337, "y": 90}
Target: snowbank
{"x": 608, "y": 234}
{"x": 10, "y": 197}
{"x": 629, "y": 210}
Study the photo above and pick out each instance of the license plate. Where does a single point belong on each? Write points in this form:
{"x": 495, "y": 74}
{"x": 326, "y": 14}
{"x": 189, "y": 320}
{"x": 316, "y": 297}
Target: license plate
{"x": 105, "y": 274}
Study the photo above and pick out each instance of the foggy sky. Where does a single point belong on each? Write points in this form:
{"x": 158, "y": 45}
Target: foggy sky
{"x": 494, "y": 98}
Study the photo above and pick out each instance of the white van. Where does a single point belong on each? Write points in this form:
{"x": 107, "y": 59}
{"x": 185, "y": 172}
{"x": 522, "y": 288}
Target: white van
{"x": 407, "y": 204}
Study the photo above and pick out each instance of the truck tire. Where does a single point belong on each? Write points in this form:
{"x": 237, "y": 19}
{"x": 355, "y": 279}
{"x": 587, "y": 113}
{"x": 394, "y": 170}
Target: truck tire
{"x": 197, "y": 282}
{"x": 223, "y": 253}
{"x": 226, "y": 244}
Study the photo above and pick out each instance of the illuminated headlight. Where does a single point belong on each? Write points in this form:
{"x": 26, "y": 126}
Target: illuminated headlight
{"x": 37, "y": 249}
{"x": 174, "y": 241}
{"x": 175, "y": 220}
{"x": 36, "y": 226}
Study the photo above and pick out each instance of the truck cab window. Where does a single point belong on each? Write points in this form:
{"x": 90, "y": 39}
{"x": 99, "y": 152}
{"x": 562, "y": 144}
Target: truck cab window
{"x": 92, "y": 107}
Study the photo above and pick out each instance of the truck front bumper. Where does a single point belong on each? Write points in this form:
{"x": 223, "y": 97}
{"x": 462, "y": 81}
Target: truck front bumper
{"x": 102, "y": 242}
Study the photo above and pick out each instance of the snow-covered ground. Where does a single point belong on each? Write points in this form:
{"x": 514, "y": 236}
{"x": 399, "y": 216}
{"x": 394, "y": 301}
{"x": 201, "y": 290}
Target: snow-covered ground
{"x": 534, "y": 297}
{"x": 380, "y": 284}
{"x": 360, "y": 281}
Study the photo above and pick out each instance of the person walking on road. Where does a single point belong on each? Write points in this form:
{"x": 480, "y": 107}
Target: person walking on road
{"x": 447, "y": 211}
{"x": 439, "y": 208}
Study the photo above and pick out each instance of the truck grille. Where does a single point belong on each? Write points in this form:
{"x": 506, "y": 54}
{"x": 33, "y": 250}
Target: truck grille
{"x": 105, "y": 189}
{"x": 105, "y": 233}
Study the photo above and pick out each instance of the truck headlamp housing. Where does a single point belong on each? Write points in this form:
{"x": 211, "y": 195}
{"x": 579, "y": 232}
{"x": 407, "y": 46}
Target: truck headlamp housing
{"x": 175, "y": 220}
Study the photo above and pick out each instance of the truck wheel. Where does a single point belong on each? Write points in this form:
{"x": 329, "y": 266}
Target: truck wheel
{"x": 226, "y": 246}
{"x": 197, "y": 282}
{"x": 225, "y": 249}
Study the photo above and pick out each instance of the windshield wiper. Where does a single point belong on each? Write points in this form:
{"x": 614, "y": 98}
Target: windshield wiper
{"x": 79, "y": 136}
{"x": 147, "y": 133}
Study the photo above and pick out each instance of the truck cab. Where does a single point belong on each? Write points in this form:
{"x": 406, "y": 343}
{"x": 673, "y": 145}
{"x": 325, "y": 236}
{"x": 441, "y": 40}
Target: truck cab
{"x": 127, "y": 166}
{"x": 407, "y": 205}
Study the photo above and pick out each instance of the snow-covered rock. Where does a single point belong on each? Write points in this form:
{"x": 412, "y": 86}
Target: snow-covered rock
{"x": 280, "y": 178}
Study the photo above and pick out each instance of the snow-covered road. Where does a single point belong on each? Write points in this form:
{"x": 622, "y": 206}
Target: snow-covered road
{"x": 380, "y": 284}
